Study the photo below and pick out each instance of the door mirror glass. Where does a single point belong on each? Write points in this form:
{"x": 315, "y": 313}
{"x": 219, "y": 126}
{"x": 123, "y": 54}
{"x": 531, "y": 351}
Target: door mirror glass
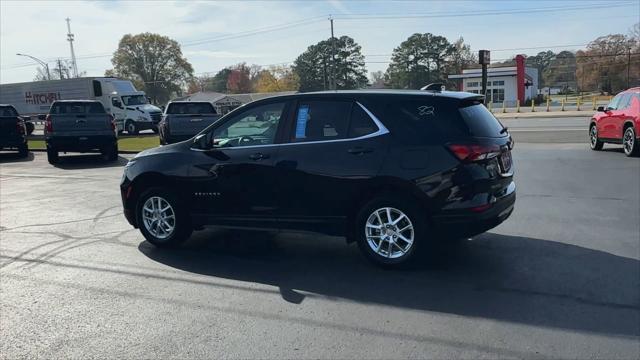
{"x": 601, "y": 108}
{"x": 203, "y": 141}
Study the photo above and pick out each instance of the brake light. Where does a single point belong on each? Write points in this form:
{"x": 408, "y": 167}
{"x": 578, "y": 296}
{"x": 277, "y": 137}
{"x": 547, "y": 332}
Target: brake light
{"x": 474, "y": 152}
{"x": 48, "y": 125}
{"x": 20, "y": 127}
{"x": 112, "y": 121}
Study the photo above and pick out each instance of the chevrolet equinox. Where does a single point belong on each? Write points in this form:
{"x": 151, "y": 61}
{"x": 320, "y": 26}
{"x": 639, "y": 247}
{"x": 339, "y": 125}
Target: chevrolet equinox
{"x": 398, "y": 172}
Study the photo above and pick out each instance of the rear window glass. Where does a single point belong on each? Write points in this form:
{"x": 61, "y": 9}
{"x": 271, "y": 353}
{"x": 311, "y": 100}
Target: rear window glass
{"x": 77, "y": 108}
{"x": 191, "y": 108}
{"x": 478, "y": 121}
{"x": 8, "y": 111}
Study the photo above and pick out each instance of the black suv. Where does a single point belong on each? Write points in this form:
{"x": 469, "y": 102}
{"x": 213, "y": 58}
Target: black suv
{"x": 395, "y": 171}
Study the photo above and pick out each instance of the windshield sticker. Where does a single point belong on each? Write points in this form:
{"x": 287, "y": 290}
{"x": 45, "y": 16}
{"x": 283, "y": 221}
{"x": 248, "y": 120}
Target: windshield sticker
{"x": 301, "y": 122}
{"x": 425, "y": 110}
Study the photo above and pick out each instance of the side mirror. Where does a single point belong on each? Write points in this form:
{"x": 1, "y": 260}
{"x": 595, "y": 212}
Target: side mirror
{"x": 202, "y": 142}
{"x": 30, "y": 127}
{"x": 601, "y": 109}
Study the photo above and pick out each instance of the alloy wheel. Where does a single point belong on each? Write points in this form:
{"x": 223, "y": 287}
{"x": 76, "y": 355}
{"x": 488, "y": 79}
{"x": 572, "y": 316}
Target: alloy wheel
{"x": 158, "y": 217}
{"x": 593, "y": 136}
{"x": 628, "y": 140}
{"x": 389, "y": 232}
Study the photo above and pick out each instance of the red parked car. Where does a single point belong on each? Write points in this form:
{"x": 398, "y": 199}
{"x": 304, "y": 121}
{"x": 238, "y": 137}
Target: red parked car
{"x": 618, "y": 123}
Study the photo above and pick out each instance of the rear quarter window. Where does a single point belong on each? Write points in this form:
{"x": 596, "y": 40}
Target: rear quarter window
{"x": 191, "y": 108}
{"x": 433, "y": 119}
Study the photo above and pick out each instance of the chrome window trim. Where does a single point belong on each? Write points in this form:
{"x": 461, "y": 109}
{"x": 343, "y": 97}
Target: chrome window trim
{"x": 382, "y": 130}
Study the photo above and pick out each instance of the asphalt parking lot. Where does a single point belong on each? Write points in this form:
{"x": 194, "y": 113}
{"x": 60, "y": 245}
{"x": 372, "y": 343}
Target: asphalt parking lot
{"x": 559, "y": 279}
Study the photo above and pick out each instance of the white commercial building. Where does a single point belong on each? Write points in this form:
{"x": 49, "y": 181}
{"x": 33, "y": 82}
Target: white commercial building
{"x": 504, "y": 84}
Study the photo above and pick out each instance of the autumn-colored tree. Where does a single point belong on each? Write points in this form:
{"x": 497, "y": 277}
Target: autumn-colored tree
{"x": 277, "y": 78}
{"x": 239, "y": 80}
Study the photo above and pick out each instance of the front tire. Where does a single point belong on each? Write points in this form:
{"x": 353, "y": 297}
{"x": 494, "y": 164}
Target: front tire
{"x": 630, "y": 142}
{"x": 162, "y": 218}
{"x": 110, "y": 153}
{"x": 52, "y": 156}
{"x": 392, "y": 232}
{"x": 131, "y": 127}
{"x": 594, "y": 142}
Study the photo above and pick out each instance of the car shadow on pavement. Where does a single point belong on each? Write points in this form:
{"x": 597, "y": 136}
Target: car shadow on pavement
{"x": 11, "y": 157}
{"x": 87, "y": 161}
{"x": 504, "y": 278}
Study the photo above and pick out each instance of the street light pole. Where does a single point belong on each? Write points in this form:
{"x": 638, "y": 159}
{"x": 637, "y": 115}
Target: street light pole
{"x": 44, "y": 64}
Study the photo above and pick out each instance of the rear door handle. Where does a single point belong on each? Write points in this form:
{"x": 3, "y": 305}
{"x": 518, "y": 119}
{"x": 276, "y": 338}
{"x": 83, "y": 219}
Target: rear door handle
{"x": 359, "y": 150}
{"x": 258, "y": 156}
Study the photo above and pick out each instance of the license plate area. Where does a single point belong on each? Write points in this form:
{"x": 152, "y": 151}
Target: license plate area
{"x": 505, "y": 162}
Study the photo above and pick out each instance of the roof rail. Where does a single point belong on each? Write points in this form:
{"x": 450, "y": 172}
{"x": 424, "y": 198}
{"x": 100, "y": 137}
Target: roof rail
{"x": 433, "y": 87}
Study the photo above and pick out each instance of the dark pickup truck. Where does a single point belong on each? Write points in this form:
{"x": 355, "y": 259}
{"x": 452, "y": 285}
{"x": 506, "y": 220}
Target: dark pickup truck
{"x": 182, "y": 120}
{"x": 80, "y": 126}
{"x": 13, "y": 130}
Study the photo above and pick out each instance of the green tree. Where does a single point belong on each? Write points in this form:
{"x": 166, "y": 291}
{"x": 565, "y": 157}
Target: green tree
{"x": 541, "y": 61}
{"x": 461, "y": 57}
{"x": 314, "y": 66}
{"x": 155, "y": 64}
{"x": 276, "y": 78}
{"x": 418, "y": 61}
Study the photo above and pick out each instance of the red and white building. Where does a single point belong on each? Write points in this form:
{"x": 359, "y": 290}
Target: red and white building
{"x": 504, "y": 84}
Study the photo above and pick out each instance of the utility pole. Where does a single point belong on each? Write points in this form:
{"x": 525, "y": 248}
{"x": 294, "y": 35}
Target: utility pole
{"x": 628, "y": 66}
{"x": 333, "y": 57}
{"x": 484, "y": 58}
{"x": 74, "y": 65}
{"x": 60, "y": 69}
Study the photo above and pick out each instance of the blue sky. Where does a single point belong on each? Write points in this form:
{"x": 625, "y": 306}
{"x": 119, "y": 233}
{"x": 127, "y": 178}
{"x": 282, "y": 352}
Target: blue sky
{"x": 215, "y": 34}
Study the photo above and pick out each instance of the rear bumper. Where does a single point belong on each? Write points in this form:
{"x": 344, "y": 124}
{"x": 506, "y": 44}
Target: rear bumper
{"x": 467, "y": 223}
{"x": 80, "y": 143}
{"x": 14, "y": 142}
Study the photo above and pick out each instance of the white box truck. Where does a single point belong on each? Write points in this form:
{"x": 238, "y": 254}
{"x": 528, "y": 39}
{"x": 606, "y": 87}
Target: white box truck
{"x": 129, "y": 107}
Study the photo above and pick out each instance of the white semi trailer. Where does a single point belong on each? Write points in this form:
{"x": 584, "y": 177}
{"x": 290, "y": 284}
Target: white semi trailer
{"x": 129, "y": 106}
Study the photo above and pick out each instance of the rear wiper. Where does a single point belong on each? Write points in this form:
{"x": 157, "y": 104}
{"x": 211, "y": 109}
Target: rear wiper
{"x": 504, "y": 130}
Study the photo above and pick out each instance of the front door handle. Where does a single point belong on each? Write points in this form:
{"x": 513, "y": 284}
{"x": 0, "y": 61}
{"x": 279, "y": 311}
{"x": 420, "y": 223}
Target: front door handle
{"x": 258, "y": 156}
{"x": 359, "y": 150}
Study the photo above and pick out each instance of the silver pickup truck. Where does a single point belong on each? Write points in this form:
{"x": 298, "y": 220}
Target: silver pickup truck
{"x": 184, "y": 119}
{"x": 80, "y": 126}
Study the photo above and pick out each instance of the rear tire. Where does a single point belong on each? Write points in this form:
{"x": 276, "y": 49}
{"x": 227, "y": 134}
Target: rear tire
{"x": 23, "y": 151}
{"x": 594, "y": 142}
{"x": 52, "y": 155}
{"x": 110, "y": 153}
{"x": 131, "y": 127}
{"x": 162, "y": 218}
{"x": 630, "y": 142}
{"x": 398, "y": 240}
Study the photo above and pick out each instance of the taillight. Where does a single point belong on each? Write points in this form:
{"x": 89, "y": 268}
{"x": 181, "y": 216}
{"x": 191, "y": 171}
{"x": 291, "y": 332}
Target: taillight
{"x": 474, "y": 152}
{"x": 112, "y": 121}
{"x": 20, "y": 127}
{"x": 48, "y": 125}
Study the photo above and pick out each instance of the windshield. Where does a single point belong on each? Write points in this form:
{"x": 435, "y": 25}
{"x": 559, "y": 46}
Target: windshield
{"x": 134, "y": 100}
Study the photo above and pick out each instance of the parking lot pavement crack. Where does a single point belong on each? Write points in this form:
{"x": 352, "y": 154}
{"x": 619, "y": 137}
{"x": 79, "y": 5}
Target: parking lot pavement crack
{"x": 60, "y": 223}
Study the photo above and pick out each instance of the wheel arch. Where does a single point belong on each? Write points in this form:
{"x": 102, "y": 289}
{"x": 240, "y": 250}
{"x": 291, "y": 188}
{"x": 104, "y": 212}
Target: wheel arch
{"x": 385, "y": 186}
{"x": 143, "y": 182}
{"x": 628, "y": 124}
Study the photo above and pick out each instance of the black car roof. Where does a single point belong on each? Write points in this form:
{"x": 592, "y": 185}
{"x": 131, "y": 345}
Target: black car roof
{"x": 76, "y": 101}
{"x": 452, "y": 94}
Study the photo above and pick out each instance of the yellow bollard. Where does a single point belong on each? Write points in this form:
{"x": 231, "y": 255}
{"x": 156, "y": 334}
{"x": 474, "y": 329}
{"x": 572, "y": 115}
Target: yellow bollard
{"x": 504, "y": 107}
{"x": 548, "y": 104}
{"x": 594, "y": 104}
{"x": 578, "y": 104}
{"x": 562, "y": 101}
{"x": 533, "y": 106}
{"x": 517, "y": 105}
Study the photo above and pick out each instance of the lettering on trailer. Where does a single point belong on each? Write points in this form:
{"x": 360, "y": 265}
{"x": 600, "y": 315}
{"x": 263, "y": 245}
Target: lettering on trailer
{"x": 41, "y": 98}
